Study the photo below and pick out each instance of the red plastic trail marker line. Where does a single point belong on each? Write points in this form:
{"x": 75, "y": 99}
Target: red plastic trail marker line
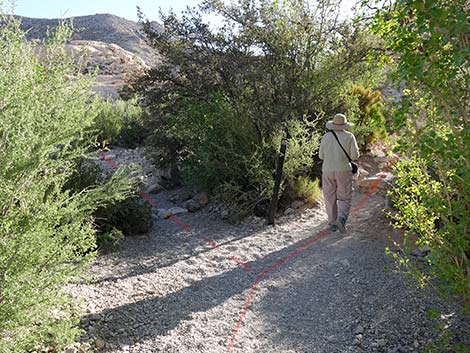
{"x": 147, "y": 198}
{"x": 298, "y": 250}
{"x": 111, "y": 163}
{"x": 279, "y": 263}
{"x": 241, "y": 263}
{"x": 210, "y": 242}
{"x": 183, "y": 225}
{"x": 177, "y": 221}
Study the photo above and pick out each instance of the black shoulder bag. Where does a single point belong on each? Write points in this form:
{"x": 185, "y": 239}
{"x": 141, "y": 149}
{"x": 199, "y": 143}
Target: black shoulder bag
{"x": 353, "y": 165}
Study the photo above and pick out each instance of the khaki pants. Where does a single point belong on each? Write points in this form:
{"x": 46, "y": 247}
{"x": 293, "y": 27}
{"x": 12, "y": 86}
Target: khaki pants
{"x": 337, "y": 191}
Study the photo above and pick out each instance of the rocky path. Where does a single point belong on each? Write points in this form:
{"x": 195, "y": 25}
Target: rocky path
{"x": 174, "y": 291}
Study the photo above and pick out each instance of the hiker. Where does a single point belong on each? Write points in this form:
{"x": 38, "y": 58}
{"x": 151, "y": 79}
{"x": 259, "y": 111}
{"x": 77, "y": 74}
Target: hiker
{"x": 337, "y": 171}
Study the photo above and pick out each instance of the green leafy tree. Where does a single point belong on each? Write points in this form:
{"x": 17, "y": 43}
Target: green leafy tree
{"x": 46, "y": 232}
{"x": 429, "y": 43}
{"x": 221, "y": 98}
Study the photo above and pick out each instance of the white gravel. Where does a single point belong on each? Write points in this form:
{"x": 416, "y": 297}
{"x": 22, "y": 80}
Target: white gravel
{"x": 171, "y": 291}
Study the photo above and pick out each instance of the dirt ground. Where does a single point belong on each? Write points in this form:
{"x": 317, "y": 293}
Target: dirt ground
{"x": 197, "y": 283}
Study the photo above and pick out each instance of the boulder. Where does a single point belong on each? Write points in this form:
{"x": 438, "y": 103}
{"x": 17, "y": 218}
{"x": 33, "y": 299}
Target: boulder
{"x": 181, "y": 196}
{"x": 175, "y": 211}
{"x": 201, "y": 198}
{"x": 192, "y": 205}
{"x": 362, "y": 173}
{"x": 153, "y": 188}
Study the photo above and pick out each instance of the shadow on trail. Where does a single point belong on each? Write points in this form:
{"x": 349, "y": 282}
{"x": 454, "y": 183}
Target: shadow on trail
{"x": 320, "y": 303}
{"x": 149, "y": 318}
{"x": 164, "y": 249}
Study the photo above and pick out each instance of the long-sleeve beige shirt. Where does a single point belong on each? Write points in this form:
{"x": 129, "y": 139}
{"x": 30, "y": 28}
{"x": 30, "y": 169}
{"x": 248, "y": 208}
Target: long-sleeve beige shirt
{"x": 334, "y": 159}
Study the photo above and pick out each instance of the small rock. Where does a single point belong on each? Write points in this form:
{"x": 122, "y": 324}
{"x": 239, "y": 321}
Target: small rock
{"x": 380, "y": 181}
{"x": 153, "y": 188}
{"x": 85, "y": 347}
{"x": 383, "y": 159}
{"x": 331, "y": 338}
{"x": 416, "y": 344}
{"x": 181, "y": 196}
{"x": 224, "y": 214}
{"x": 289, "y": 211}
{"x": 345, "y": 263}
{"x": 201, "y": 198}
{"x": 356, "y": 342}
{"x": 382, "y": 166}
{"x": 362, "y": 173}
{"x": 71, "y": 350}
{"x": 421, "y": 252}
{"x": 382, "y": 342}
{"x": 416, "y": 253}
{"x": 177, "y": 210}
{"x": 297, "y": 204}
{"x": 425, "y": 250}
{"x": 110, "y": 156}
{"x": 379, "y": 155}
{"x": 192, "y": 205}
{"x": 99, "y": 343}
{"x": 94, "y": 317}
{"x": 402, "y": 349}
{"x": 359, "y": 330}
{"x": 162, "y": 213}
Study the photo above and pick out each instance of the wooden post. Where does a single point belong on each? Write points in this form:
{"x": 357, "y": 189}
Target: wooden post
{"x": 277, "y": 181}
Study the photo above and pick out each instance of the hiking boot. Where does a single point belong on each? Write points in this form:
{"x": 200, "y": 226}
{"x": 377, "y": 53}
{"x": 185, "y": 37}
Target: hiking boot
{"x": 332, "y": 227}
{"x": 341, "y": 224}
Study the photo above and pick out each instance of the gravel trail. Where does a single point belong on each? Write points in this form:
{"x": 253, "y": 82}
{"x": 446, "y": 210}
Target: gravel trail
{"x": 171, "y": 291}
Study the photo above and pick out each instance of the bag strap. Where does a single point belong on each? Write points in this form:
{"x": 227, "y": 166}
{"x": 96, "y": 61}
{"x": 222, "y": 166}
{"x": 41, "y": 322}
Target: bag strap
{"x": 346, "y": 153}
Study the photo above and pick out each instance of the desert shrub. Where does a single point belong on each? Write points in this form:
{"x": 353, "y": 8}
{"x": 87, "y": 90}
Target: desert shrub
{"x": 131, "y": 216}
{"x": 118, "y": 122}
{"x": 85, "y": 174}
{"x": 46, "y": 232}
{"x": 221, "y": 99}
{"x": 114, "y": 219}
{"x": 307, "y": 189}
{"x": 222, "y": 153}
{"x": 368, "y": 116}
{"x": 429, "y": 45}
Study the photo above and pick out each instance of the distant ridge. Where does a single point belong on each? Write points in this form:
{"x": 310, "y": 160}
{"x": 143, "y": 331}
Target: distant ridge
{"x": 105, "y": 28}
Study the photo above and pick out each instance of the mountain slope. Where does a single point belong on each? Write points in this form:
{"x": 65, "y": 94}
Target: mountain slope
{"x": 100, "y": 27}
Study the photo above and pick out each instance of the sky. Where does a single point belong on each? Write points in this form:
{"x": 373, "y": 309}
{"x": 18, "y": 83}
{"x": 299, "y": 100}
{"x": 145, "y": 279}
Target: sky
{"x": 122, "y": 8}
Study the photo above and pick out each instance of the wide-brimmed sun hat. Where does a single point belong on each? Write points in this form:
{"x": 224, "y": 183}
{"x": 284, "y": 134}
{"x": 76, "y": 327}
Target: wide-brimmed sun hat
{"x": 339, "y": 122}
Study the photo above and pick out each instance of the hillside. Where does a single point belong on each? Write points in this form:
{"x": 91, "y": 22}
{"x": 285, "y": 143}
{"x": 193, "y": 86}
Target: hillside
{"x": 112, "y": 44}
{"x": 100, "y": 27}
